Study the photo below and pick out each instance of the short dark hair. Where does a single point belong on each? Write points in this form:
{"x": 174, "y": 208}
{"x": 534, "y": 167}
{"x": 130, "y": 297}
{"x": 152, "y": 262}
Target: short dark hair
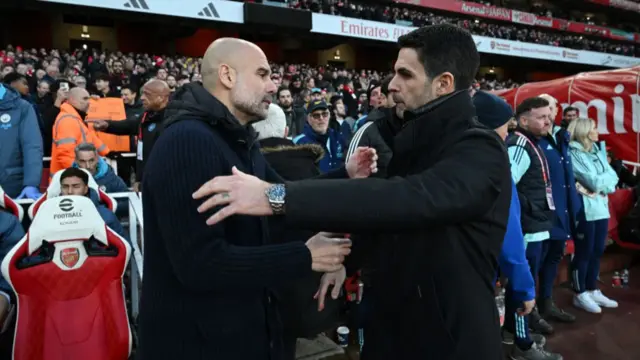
{"x": 384, "y": 87}
{"x": 530, "y": 104}
{"x": 445, "y": 48}
{"x": 281, "y": 89}
{"x": 75, "y": 172}
{"x": 13, "y": 76}
{"x": 569, "y": 108}
{"x": 129, "y": 87}
{"x": 101, "y": 76}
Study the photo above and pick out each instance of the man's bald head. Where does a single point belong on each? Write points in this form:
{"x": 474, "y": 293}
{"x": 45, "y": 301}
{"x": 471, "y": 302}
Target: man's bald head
{"x": 158, "y": 86}
{"x": 79, "y": 99}
{"x": 155, "y": 95}
{"x": 553, "y": 104}
{"x": 237, "y": 73}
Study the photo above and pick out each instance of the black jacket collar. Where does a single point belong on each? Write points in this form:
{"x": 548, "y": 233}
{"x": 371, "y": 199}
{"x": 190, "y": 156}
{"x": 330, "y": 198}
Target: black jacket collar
{"x": 430, "y": 125}
{"x": 192, "y": 101}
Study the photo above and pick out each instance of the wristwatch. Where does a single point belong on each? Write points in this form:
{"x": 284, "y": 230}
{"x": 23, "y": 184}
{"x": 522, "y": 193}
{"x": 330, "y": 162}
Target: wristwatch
{"x": 276, "y": 194}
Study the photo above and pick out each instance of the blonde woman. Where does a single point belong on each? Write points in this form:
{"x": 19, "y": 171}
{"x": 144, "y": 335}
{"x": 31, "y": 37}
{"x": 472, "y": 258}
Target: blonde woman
{"x": 594, "y": 173}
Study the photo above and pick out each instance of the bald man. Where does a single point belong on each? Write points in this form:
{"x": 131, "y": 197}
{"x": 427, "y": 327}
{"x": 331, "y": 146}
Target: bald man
{"x": 70, "y": 129}
{"x": 155, "y": 97}
{"x": 209, "y": 290}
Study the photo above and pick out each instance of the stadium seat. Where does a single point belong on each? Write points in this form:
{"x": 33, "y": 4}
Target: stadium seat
{"x": 67, "y": 275}
{"x": 54, "y": 190}
{"x": 10, "y": 205}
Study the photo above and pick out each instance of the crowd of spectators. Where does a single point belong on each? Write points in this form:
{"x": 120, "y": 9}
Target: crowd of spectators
{"x": 114, "y": 70}
{"x": 412, "y": 17}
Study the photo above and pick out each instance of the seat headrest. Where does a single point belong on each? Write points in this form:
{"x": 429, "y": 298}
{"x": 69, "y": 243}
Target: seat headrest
{"x": 10, "y": 205}
{"x": 66, "y": 218}
{"x": 55, "y": 189}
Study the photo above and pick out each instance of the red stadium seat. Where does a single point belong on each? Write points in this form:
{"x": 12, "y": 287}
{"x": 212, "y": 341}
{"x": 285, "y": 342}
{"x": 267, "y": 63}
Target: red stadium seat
{"x": 67, "y": 275}
{"x": 8, "y": 204}
{"x": 54, "y": 190}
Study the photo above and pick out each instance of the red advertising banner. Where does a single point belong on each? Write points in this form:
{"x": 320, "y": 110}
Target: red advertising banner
{"x": 608, "y": 97}
{"x": 525, "y": 18}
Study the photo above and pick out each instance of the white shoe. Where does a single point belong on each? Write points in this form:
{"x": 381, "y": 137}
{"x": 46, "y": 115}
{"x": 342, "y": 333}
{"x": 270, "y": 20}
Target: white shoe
{"x": 586, "y": 303}
{"x": 602, "y": 300}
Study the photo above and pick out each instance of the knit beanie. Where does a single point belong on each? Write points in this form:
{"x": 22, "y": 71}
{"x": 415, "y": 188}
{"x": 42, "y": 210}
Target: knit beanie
{"x": 491, "y": 110}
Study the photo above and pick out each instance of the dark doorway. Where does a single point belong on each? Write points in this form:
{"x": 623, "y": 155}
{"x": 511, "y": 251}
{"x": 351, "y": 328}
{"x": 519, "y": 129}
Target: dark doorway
{"x": 337, "y": 64}
{"x": 85, "y": 44}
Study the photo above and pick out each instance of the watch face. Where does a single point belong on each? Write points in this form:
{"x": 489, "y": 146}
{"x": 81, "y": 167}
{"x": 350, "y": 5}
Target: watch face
{"x": 276, "y": 193}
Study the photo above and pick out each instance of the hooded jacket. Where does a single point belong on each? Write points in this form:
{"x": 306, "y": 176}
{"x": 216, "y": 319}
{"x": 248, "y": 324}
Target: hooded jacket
{"x": 209, "y": 290}
{"x": 21, "y": 148}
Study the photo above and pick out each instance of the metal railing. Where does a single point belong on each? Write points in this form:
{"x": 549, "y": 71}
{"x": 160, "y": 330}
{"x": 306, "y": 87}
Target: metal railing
{"x": 136, "y": 234}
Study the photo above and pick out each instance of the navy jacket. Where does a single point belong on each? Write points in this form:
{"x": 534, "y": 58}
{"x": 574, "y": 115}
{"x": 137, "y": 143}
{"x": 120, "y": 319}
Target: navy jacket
{"x": 208, "y": 289}
{"x": 332, "y": 143}
{"x": 563, "y": 182}
{"x": 109, "y": 182}
{"x": 10, "y": 233}
{"x": 20, "y": 144}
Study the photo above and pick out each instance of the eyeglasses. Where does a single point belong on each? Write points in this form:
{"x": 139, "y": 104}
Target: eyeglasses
{"x": 320, "y": 115}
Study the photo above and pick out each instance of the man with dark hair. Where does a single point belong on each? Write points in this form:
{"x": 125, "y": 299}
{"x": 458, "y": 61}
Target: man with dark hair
{"x": 295, "y": 115}
{"x": 444, "y": 210}
{"x": 74, "y": 181}
{"x": 20, "y": 84}
{"x": 569, "y": 114}
{"x": 530, "y": 171}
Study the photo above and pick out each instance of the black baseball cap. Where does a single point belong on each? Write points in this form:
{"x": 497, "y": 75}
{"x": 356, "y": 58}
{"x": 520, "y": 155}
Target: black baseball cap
{"x": 317, "y": 105}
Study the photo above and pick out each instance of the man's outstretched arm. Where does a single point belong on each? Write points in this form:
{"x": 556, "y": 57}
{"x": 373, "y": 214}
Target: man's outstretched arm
{"x": 461, "y": 186}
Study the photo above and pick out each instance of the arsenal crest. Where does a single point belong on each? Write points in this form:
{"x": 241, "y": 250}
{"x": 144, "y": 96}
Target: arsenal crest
{"x": 69, "y": 257}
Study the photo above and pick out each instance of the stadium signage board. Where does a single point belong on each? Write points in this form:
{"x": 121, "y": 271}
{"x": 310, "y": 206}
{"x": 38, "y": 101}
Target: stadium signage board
{"x": 373, "y": 30}
{"x": 216, "y": 10}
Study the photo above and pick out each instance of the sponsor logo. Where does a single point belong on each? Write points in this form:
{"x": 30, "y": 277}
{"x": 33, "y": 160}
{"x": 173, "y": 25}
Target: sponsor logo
{"x": 136, "y": 4}
{"x": 209, "y": 11}
{"x": 5, "y": 118}
{"x": 69, "y": 257}
{"x": 66, "y": 205}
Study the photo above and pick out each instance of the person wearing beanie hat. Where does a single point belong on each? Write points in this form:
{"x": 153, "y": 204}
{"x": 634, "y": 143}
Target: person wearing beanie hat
{"x": 520, "y": 294}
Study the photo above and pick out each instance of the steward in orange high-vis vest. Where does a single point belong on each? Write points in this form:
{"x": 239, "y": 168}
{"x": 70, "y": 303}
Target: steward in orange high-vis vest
{"x": 69, "y": 130}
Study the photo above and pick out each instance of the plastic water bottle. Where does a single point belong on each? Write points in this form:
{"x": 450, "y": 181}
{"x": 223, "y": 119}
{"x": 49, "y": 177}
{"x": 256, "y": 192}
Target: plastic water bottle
{"x": 501, "y": 306}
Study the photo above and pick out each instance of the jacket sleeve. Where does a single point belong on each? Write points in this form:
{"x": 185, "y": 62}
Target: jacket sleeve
{"x": 116, "y": 184}
{"x": 10, "y": 234}
{"x": 513, "y": 261}
{"x": 123, "y": 127}
{"x": 111, "y": 220}
{"x": 600, "y": 183}
{"x": 463, "y": 185}
{"x": 360, "y": 138}
{"x": 203, "y": 258}
{"x": 31, "y": 144}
